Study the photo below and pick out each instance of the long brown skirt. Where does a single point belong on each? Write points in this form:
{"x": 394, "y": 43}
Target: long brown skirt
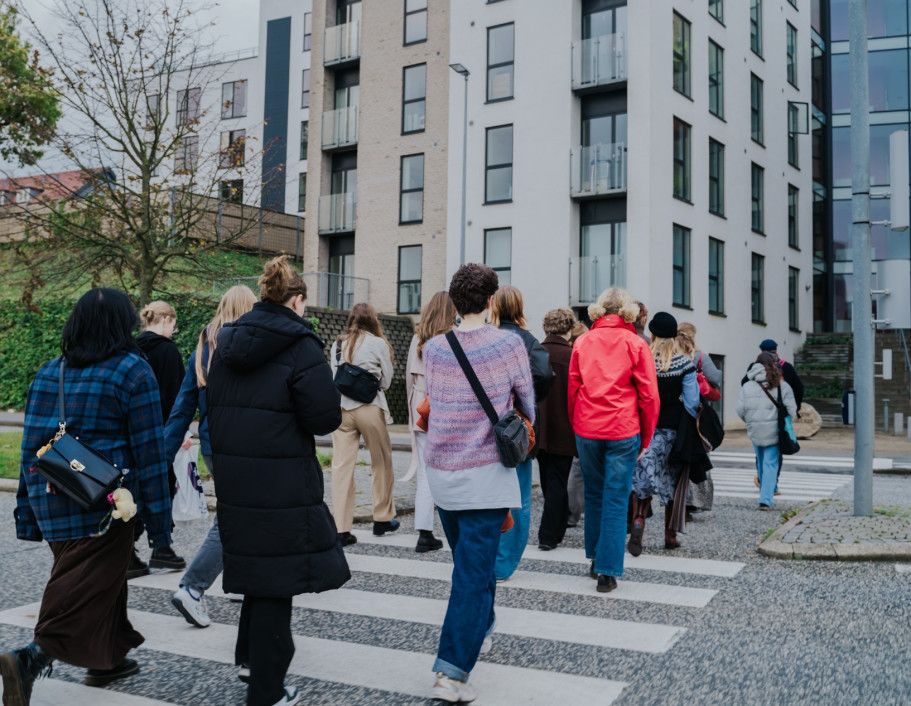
{"x": 83, "y": 618}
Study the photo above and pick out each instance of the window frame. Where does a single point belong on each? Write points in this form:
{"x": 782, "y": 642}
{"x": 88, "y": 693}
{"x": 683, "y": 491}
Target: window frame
{"x": 793, "y": 299}
{"x": 411, "y": 13}
{"x": 411, "y": 101}
{"x": 308, "y": 31}
{"x": 683, "y": 57}
{"x": 716, "y": 51}
{"x": 718, "y": 14}
{"x": 488, "y": 167}
{"x": 400, "y": 281}
{"x": 757, "y": 198}
{"x": 231, "y": 154}
{"x": 305, "y": 88}
{"x": 237, "y": 185}
{"x": 302, "y": 192}
{"x": 757, "y": 288}
{"x": 716, "y": 275}
{"x": 757, "y": 117}
{"x": 716, "y": 177}
{"x": 791, "y": 53}
{"x": 185, "y": 98}
{"x": 511, "y": 63}
{"x": 499, "y": 269}
{"x": 187, "y": 156}
{"x": 756, "y": 27}
{"x": 793, "y": 217}
{"x": 403, "y": 190}
{"x": 684, "y": 163}
{"x": 228, "y": 106}
{"x": 304, "y": 139}
{"x": 681, "y": 270}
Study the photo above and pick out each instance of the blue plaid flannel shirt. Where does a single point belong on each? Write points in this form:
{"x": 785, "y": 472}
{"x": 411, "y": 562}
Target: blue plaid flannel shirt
{"x": 115, "y": 408}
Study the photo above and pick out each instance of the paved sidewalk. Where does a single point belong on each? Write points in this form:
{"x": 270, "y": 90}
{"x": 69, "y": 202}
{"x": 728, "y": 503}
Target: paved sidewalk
{"x": 828, "y": 529}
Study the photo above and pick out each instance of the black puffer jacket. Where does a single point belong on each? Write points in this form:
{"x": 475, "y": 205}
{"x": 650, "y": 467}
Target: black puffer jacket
{"x": 164, "y": 357}
{"x": 541, "y": 374}
{"x": 269, "y": 391}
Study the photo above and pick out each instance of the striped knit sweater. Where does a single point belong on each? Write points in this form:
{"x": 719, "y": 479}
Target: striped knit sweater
{"x": 671, "y": 390}
{"x": 459, "y": 434}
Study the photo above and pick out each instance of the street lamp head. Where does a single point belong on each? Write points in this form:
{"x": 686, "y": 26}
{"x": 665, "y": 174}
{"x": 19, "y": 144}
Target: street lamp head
{"x": 459, "y": 69}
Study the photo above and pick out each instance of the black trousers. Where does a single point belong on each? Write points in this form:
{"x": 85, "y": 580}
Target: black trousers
{"x": 554, "y": 470}
{"x": 265, "y": 645}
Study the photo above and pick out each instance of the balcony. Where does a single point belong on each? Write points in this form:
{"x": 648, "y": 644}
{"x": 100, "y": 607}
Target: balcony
{"x": 339, "y": 128}
{"x": 600, "y": 61}
{"x": 598, "y": 170}
{"x": 337, "y": 213}
{"x": 342, "y": 44}
{"x": 592, "y": 274}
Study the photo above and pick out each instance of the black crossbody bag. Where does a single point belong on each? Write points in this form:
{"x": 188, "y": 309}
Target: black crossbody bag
{"x": 510, "y": 431}
{"x": 84, "y": 475}
{"x": 354, "y": 381}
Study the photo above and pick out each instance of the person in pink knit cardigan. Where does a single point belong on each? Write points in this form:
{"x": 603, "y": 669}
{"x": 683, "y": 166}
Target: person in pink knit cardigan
{"x": 470, "y": 486}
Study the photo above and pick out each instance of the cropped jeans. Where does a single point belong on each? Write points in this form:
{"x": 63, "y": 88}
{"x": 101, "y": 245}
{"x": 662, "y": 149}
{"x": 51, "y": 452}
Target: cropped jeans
{"x": 767, "y": 462}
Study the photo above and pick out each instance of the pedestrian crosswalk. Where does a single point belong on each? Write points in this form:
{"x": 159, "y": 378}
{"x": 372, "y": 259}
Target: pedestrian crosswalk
{"x": 580, "y": 620}
{"x": 737, "y": 481}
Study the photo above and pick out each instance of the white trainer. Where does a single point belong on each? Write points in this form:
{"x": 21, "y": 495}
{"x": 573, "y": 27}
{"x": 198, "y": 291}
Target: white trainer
{"x": 487, "y": 645}
{"x": 193, "y": 609}
{"x": 452, "y": 690}
{"x": 291, "y": 697}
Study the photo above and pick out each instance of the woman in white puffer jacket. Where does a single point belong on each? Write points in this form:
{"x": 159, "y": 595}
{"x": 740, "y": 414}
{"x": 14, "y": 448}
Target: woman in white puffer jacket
{"x": 761, "y": 415}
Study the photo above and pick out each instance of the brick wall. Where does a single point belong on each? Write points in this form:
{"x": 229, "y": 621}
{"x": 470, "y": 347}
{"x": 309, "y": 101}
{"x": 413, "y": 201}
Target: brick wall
{"x": 398, "y": 329}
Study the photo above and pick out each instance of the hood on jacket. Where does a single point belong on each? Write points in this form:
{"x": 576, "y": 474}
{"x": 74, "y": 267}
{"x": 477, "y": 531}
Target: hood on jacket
{"x": 260, "y": 335}
{"x": 149, "y": 341}
{"x": 612, "y": 321}
{"x": 757, "y": 373}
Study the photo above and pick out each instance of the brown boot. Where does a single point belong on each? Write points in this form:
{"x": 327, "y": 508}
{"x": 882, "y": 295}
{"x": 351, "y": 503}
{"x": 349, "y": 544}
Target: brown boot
{"x": 670, "y": 536}
{"x": 640, "y": 509}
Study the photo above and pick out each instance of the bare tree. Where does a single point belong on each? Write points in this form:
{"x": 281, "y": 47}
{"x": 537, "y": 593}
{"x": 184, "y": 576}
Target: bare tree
{"x": 133, "y": 76}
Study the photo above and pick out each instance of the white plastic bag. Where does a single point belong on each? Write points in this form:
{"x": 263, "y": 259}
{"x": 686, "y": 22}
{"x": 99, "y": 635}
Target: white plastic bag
{"x": 190, "y": 501}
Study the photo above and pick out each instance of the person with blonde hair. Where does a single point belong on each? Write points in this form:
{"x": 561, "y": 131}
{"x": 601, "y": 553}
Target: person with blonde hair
{"x": 612, "y": 401}
{"x": 269, "y": 392}
{"x": 365, "y": 346}
{"x": 506, "y": 313}
{"x": 207, "y": 564}
{"x": 437, "y": 317}
{"x": 655, "y": 473}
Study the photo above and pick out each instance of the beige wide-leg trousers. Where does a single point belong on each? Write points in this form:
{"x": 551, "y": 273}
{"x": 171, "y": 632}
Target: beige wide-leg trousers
{"x": 368, "y": 421}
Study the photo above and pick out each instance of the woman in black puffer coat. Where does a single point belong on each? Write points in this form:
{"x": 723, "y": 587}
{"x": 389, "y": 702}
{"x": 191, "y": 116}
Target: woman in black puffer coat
{"x": 269, "y": 391}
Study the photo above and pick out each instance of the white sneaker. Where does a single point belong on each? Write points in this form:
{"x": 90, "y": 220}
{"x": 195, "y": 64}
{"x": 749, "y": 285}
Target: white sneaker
{"x": 235, "y": 597}
{"x": 452, "y": 690}
{"x": 243, "y": 673}
{"x": 193, "y": 609}
{"x": 487, "y": 645}
{"x": 291, "y": 697}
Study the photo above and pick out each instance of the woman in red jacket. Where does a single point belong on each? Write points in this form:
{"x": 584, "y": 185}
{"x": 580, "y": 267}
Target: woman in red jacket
{"x": 613, "y": 407}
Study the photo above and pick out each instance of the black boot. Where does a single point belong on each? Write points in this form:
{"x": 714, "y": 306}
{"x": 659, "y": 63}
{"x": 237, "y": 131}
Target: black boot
{"x": 165, "y": 558}
{"x": 670, "y": 536}
{"x": 640, "y": 509}
{"x": 381, "y": 528}
{"x": 427, "y": 542}
{"x": 20, "y": 669}
{"x": 347, "y": 538}
{"x": 137, "y": 567}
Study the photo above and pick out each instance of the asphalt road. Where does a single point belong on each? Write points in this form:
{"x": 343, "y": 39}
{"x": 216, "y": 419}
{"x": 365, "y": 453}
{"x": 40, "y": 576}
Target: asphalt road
{"x": 741, "y": 629}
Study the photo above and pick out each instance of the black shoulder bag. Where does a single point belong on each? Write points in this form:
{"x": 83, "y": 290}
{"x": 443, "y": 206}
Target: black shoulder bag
{"x": 84, "y": 475}
{"x": 354, "y": 381}
{"x": 510, "y": 431}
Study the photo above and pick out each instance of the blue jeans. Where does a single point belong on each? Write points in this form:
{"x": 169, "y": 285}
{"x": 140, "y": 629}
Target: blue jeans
{"x": 513, "y": 543}
{"x": 767, "y": 458}
{"x": 473, "y": 536}
{"x": 208, "y": 562}
{"x": 607, "y": 471}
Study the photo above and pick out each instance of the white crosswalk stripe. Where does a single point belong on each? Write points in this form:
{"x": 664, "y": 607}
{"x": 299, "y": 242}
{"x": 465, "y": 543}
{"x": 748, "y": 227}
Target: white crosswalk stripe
{"x": 400, "y": 671}
{"x": 795, "y": 486}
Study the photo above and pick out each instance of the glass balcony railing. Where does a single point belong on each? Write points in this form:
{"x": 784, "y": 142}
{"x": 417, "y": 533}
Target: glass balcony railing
{"x": 590, "y": 275}
{"x": 342, "y": 43}
{"x": 599, "y": 169}
{"x": 599, "y": 61}
{"x": 337, "y": 213}
{"x": 339, "y": 128}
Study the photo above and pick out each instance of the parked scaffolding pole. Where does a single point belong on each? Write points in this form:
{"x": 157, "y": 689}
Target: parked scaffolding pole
{"x": 862, "y": 306}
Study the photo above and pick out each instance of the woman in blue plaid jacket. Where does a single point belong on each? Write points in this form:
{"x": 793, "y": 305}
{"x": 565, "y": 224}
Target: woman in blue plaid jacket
{"x": 112, "y": 404}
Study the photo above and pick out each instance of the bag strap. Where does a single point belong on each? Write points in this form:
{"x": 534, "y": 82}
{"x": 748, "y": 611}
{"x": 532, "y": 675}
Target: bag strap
{"x": 472, "y": 377}
{"x": 61, "y": 405}
{"x": 766, "y": 391}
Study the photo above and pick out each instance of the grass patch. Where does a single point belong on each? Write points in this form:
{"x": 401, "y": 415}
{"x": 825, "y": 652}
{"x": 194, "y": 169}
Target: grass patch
{"x": 769, "y": 533}
{"x": 891, "y": 511}
{"x": 10, "y": 451}
{"x": 788, "y": 514}
{"x": 325, "y": 460}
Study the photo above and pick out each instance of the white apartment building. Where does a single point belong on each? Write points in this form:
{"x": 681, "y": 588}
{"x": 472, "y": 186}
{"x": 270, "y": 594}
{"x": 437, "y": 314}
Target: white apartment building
{"x": 644, "y": 145}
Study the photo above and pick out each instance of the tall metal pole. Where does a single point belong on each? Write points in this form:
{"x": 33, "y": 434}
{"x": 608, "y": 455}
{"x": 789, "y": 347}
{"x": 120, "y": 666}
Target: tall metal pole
{"x": 862, "y": 307}
{"x": 464, "y": 171}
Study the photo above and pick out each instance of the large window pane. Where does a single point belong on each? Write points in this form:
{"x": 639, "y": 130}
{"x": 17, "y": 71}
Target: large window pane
{"x": 879, "y": 154}
{"x": 757, "y": 198}
{"x": 681, "y": 55}
{"x": 756, "y": 26}
{"x": 500, "y": 62}
{"x": 414, "y": 94}
{"x": 602, "y": 249}
{"x": 756, "y": 117}
{"x": 716, "y": 177}
{"x": 409, "y": 279}
{"x": 888, "y": 72}
{"x": 793, "y": 219}
{"x": 499, "y": 164}
{"x": 716, "y": 9}
{"x": 716, "y": 276}
{"x": 791, "y": 50}
{"x": 793, "y": 294}
{"x": 415, "y": 21}
{"x": 498, "y": 253}
{"x": 681, "y": 266}
{"x": 412, "y": 189}
{"x": 757, "y": 288}
{"x": 716, "y": 79}
{"x": 885, "y": 18}
{"x": 681, "y": 160}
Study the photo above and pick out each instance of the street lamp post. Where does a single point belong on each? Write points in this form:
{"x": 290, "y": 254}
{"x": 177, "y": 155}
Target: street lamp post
{"x": 464, "y": 73}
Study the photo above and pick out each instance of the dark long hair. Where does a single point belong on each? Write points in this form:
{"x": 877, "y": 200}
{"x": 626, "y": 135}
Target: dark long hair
{"x": 100, "y": 326}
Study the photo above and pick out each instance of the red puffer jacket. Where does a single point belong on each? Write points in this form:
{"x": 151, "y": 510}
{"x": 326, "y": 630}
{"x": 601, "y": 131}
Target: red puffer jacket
{"x": 613, "y": 388}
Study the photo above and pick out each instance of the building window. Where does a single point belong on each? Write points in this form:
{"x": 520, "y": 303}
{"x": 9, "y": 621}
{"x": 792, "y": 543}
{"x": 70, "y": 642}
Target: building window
{"x": 415, "y": 21}
{"x": 756, "y": 26}
{"x": 757, "y": 289}
{"x": 153, "y": 110}
{"x": 231, "y": 190}
{"x": 756, "y": 108}
{"x": 411, "y": 200}
{"x": 716, "y": 79}
{"x": 757, "y": 188}
{"x": 681, "y": 160}
{"x": 681, "y": 55}
{"x": 231, "y": 149}
{"x": 716, "y": 177}
{"x": 793, "y": 291}
{"x": 716, "y": 276}
{"x": 305, "y": 89}
{"x": 409, "y": 279}
{"x": 716, "y": 9}
{"x": 187, "y": 153}
{"x": 308, "y": 30}
{"x": 302, "y": 192}
{"x": 793, "y": 227}
{"x": 498, "y": 173}
{"x": 234, "y": 99}
{"x": 500, "y": 62}
{"x": 793, "y": 150}
{"x": 305, "y": 137}
{"x": 414, "y": 98}
{"x": 791, "y": 53}
{"x": 188, "y": 105}
{"x": 498, "y": 253}
{"x": 681, "y": 266}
